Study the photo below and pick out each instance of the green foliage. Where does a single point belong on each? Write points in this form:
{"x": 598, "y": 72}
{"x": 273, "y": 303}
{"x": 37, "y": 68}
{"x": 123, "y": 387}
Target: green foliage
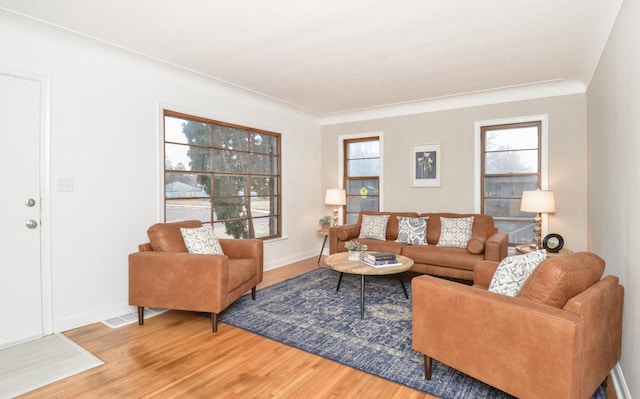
{"x": 246, "y": 169}
{"x": 198, "y": 133}
{"x": 355, "y": 245}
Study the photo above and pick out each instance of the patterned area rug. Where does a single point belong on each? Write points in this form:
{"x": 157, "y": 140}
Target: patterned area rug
{"x": 306, "y": 312}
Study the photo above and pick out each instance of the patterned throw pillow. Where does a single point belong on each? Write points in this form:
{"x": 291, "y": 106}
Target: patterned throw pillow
{"x": 412, "y": 230}
{"x": 374, "y": 226}
{"x": 513, "y": 271}
{"x": 201, "y": 240}
{"x": 455, "y": 232}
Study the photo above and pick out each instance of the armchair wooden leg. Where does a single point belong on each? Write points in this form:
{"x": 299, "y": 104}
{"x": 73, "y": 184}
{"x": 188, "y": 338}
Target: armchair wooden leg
{"x": 214, "y": 322}
{"x": 427, "y": 367}
{"x": 140, "y": 315}
{"x": 253, "y": 293}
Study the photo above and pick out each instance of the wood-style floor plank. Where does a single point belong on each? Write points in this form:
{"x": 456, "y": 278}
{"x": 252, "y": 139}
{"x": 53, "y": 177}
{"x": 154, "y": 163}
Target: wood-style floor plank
{"x": 175, "y": 355}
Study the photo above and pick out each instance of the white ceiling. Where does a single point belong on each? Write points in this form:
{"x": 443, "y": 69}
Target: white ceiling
{"x": 335, "y": 56}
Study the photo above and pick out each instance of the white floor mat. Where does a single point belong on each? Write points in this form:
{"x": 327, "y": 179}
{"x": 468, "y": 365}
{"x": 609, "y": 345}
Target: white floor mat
{"x": 34, "y": 364}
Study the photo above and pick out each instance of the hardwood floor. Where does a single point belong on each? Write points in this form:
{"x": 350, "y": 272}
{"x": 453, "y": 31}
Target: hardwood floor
{"x": 176, "y": 355}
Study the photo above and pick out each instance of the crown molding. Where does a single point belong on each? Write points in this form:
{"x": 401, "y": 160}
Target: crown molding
{"x": 502, "y": 95}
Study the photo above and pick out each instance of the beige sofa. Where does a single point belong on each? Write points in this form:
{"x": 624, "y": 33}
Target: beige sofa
{"x": 486, "y": 244}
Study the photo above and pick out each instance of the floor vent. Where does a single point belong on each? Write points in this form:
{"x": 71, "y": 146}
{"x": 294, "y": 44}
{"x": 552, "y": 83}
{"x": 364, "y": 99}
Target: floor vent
{"x": 132, "y": 317}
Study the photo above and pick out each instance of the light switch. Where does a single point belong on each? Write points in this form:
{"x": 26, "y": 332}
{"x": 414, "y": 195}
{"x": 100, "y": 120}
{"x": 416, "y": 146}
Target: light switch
{"x": 65, "y": 184}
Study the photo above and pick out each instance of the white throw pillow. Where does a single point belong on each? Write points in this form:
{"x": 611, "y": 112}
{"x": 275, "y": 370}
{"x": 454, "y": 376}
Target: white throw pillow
{"x": 455, "y": 232}
{"x": 201, "y": 240}
{"x": 374, "y": 226}
{"x": 513, "y": 271}
{"x": 412, "y": 230}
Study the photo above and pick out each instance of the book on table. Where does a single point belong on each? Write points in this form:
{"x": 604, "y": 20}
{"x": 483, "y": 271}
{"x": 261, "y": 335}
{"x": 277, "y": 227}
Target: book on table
{"x": 381, "y": 263}
{"x": 378, "y": 256}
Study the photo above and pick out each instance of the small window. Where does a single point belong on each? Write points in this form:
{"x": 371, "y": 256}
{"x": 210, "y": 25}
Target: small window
{"x": 223, "y": 174}
{"x": 361, "y": 176}
{"x": 511, "y": 163}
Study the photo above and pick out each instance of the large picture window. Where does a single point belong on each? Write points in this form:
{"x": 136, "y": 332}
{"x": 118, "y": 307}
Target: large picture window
{"x": 511, "y": 163}
{"x": 223, "y": 174}
{"x": 361, "y": 176}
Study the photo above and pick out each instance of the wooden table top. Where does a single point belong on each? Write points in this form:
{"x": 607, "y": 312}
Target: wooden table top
{"x": 341, "y": 263}
{"x": 526, "y": 248}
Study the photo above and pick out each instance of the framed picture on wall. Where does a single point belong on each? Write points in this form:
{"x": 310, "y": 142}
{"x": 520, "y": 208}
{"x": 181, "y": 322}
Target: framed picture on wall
{"x": 426, "y": 165}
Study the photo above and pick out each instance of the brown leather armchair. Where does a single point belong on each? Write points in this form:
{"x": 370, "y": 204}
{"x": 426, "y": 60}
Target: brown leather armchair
{"x": 163, "y": 274}
{"x": 558, "y": 338}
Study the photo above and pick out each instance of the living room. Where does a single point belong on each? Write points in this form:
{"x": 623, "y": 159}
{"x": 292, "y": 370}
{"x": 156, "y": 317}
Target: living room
{"x": 104, "y": 127}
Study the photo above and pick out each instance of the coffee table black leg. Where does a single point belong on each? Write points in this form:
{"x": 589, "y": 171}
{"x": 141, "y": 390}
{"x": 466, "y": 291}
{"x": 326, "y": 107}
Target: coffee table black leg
{"x": 362, "y": 297}
{"x": 339, "y": 281}
{"x": 406, "y": 295}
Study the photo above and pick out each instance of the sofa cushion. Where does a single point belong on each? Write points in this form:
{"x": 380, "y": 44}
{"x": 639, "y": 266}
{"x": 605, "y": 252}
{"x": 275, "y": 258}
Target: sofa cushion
{"x": 166, "y": 237}
{"x": 560, "y": 278}
{"x": 476, "y": 245}
{"x": 455, "y": 232}
{"x": 412, "y": 230}
{"x": 374, "y": 226}
{"x": 513, "y": 271}
{"x": 483, "y": 225}
{"x": 347, "y": 232}
{"x": 201, "y": 240}
{"x": 459, "y": 258}
{"x": 392, "y": 224}
{"x": 241, "y": 271}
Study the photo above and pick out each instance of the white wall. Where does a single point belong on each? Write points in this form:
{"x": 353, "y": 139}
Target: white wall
{"x": 614, "y": 174}
{"x": 105, "y": 135}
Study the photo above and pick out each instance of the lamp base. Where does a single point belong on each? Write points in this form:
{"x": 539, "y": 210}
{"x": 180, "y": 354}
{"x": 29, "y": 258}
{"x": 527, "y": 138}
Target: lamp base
{"x": 537, "y": 230}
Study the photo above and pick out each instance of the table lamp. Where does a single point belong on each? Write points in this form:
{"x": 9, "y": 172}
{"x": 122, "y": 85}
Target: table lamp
{"x": 539, "y": 202}
{"x": 336, "y": 197}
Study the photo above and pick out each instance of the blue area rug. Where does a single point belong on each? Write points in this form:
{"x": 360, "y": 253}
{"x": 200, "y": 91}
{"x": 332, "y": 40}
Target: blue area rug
{"x": 306, "y": 312}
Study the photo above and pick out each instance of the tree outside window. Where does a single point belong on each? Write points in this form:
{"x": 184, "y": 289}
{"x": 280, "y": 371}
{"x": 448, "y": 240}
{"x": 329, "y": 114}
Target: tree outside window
{"x": 223, "y": 174}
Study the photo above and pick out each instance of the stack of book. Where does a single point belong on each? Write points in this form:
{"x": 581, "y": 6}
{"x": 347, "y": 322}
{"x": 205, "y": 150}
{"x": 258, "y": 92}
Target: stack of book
{"x": 380, "y": 259}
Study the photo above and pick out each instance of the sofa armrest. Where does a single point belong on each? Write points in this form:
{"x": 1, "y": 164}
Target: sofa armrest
{"x": 495, "y": 337}
{"x": 342, "y": 234}
{"x": 483, "y": 272}
{"x": 245, "y": 249}
{"x": 601, "y": 308}
{"x": 159, "y": 279}
{"x": 496, "y": 247}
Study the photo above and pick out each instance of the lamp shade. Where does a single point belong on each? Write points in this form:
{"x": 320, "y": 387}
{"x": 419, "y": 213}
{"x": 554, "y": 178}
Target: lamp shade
{"x": 538, "y": 201}
{"x": 335, "y": 196}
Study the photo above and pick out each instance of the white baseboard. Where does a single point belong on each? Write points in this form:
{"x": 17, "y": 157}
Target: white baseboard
{"x": 619, "y": 383}
{"x": 286, "y": 261}
{"x": 91, "y": 316}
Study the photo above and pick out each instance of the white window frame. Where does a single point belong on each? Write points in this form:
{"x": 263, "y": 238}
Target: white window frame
{"x": 340, "y": 177}
{"x": 544, "y": 157}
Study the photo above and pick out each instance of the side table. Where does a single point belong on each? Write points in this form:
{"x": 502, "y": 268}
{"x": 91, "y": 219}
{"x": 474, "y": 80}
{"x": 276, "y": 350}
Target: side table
{"x": 526, "y": 248}
{"x": 324, "y": 233}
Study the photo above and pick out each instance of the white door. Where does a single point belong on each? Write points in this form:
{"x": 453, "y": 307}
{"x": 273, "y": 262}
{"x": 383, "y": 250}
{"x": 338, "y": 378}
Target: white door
{"x": 21, "y": 314}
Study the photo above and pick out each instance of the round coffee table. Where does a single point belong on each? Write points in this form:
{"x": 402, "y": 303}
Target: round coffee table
{"x": 340, "y": 262}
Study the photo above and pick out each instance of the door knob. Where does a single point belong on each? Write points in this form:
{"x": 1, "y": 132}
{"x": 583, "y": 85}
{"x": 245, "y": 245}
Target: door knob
{"x": 32, "y": 224}
{"x": 30, "y": 202}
